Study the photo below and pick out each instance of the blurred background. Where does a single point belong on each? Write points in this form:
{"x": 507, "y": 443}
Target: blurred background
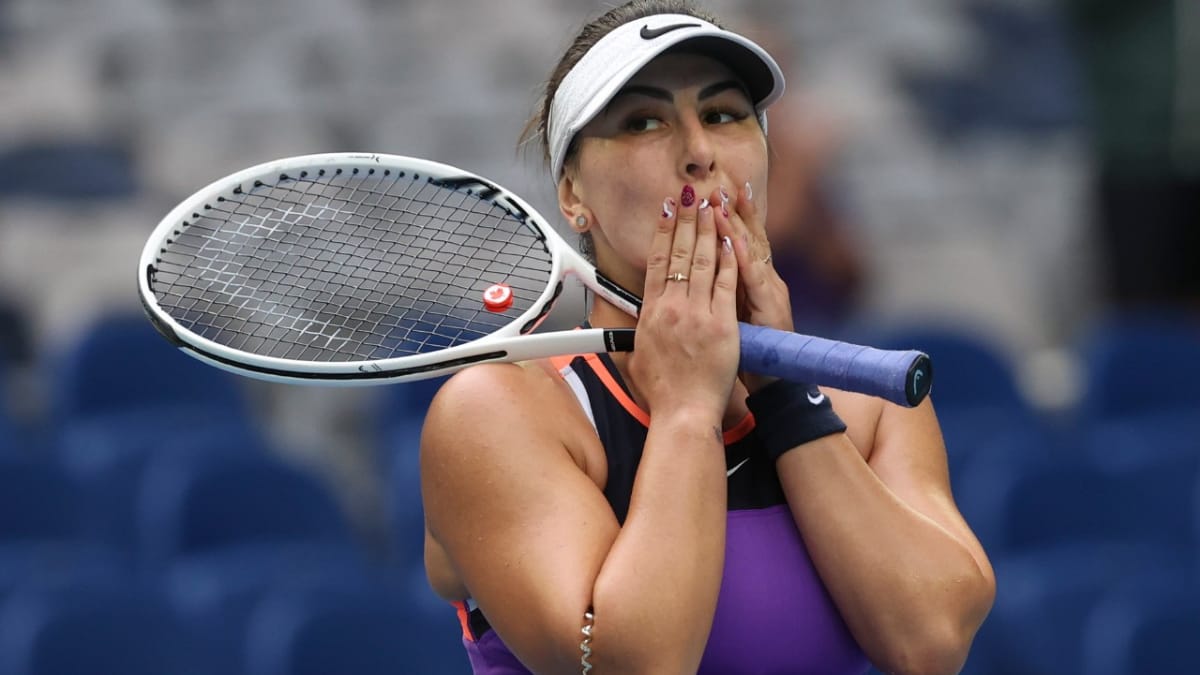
{"x": 1010, "y": 185}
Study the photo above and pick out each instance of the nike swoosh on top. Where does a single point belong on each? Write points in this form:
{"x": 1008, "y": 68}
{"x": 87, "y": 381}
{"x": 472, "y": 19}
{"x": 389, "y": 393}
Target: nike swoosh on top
{"x": 736, "y": 467}
{"x": 649, "y": 33}
{"x": 817, "y": 399}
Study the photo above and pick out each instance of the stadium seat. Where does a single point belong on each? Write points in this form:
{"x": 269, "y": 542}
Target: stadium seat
{"x": 1044, "y": 597}
{"x": 223, "y": 528}
{"x": 400, "y": 411}
{"x": 970, "y": 370}
{"x": 1140, "y": 439}
{"x": 1017, "y": 507}
{"x": 370, "y": 632}
{"x": 67, "y": 170}
{"x": 121, "y": 364}
{"x": 109, "y": 465}
{"x": 979, "y": 405}
{"x": 215, "y": 594}
{"x": 194, "y": 503}
{"x": 42, "y": 537}
{"x": 1136, "y": 363}
{"x": 38, "y": 501}
{"x": 94, "y": 628}
{"x": 1146, "y": 624}
{"x": 405, "y": 512}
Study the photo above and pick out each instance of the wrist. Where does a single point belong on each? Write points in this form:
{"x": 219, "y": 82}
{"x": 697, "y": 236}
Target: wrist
{"x": 790, "y": 414}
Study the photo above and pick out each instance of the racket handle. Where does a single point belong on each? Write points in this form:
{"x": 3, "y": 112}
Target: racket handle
{"x": 902, "y": 377}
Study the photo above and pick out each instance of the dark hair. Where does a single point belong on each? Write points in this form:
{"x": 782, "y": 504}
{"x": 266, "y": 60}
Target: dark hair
{"x": 536, "y": 129}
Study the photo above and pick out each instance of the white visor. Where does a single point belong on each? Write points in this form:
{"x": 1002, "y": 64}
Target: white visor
{"x": 620, "y": 54}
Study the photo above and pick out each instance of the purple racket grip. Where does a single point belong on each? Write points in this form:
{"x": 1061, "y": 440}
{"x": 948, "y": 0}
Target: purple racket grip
{"x": 902, "y": 377}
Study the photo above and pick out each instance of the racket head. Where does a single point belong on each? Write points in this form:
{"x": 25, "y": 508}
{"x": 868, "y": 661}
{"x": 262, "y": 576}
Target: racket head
{"x": 350, "y": 268}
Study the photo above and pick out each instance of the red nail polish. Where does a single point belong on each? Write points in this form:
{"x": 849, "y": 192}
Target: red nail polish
{"x": 688, "y": 197}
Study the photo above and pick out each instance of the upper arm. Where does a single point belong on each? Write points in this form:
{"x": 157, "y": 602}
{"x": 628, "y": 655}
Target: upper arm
{"x": 909, "y": 456}
{"x": 524, "y": 526}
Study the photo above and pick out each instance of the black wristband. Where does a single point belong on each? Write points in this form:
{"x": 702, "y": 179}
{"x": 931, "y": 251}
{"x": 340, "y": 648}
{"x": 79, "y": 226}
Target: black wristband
{"x": 788, "y": 414}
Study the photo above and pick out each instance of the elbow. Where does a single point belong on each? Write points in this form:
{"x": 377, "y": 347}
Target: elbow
{"x": 931, "y": 655}
{"x": 939, "y": 645}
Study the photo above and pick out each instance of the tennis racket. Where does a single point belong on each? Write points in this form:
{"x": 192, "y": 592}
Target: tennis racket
{"x": 352, "y": 268}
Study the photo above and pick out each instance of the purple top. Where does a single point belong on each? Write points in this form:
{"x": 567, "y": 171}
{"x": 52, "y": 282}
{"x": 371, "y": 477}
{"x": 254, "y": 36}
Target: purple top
{"x": 773, "y": 613}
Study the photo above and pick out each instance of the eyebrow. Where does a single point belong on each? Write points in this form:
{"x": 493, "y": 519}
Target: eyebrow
{"x": 665, "y": 95}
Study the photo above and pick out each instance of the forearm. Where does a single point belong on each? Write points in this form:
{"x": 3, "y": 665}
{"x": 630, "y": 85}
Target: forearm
{"x": 908, "y": 589}
{"x": 656, "y": 592}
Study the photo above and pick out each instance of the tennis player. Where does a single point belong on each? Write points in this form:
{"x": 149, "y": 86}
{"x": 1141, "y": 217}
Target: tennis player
{"x": 660, "y": 512}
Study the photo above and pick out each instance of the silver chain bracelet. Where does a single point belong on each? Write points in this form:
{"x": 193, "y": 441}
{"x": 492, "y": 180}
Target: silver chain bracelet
{"x": 589, "y": 621}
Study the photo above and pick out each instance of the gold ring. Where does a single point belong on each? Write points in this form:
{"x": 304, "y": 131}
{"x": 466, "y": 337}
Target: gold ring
{"x": 677, "y": 276}
{"x": 766, "y": 260}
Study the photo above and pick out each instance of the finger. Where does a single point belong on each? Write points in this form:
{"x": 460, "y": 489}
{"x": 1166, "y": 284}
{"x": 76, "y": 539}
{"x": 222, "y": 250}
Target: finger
{"x": 659, "y": 258}
{"x": 731, "y": 226}
{"x": 724, "y": 293}
{"x": 683, "y": 244}
{"x": 748, "y": 216}
{"x": 747, "y": 208}
{"x": 704, "y": 254}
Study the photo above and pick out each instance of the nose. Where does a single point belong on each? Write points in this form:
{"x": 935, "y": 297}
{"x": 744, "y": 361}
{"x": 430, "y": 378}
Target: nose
{"x": 698, "y": 156}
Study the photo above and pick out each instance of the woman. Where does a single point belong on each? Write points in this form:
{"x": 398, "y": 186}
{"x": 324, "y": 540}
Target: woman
{"x": 659, "y": 512}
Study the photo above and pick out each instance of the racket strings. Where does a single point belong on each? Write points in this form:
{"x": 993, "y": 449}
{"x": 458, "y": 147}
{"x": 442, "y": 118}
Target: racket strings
{"x": 348, "y": 266}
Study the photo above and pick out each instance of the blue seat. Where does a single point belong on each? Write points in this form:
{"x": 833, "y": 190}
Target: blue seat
{"x": 68, "y": 170}
{"x": 109, "y": 465}
{"x": 980, "y": 407}
{"x": 969, "y": 369}
{"x": 365, "y": 632}
{"x": 1016, "y": 505}
{"x": 215, "y": 593}
{"x": 38, "y": 501}
{"x": 94, "y": 628}
{"x": 1044, "y": 596}
{"x": 405, "y": 511}
{"x": 1140, "y": 362}
{"x": 120, "y": 364}
{"x": 399, "y": 412}
{"x": 1140, "y": 439}
{"x": 1022, "y": 507}
{"x": 194, "y": 503}
{"x": 1146, "y": 624}
{"x": 221, "y": 528}
{"x": 42, "y": 535}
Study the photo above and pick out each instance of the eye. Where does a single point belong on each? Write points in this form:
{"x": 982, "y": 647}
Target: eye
{"x": 640, "y": 123}
{"x": 724, "y": 116}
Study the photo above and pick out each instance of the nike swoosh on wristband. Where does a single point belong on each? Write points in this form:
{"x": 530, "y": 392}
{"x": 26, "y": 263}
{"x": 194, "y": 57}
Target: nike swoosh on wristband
{"x": 649, "y": 33}
{"x": 736, "y": 467}
{"x": 817, "y": 399}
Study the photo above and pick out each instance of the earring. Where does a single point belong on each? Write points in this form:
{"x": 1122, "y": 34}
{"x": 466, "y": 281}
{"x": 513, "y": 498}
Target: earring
{"x": 581, "y": 222}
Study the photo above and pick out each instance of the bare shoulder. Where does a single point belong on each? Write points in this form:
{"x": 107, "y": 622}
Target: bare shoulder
{"x": 511, "y": 479}
{"x": 489, "y": 407}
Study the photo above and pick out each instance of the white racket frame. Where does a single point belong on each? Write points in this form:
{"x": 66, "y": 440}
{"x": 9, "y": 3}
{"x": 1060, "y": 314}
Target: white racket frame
{"x": 514, "y": 341}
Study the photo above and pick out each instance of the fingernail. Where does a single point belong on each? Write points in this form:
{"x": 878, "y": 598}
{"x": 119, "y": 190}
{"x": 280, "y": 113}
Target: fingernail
{"x": 668, "y": 208}
{"x": 724, "y": 195}
{"x": 727, "y": 244}
{"x": 688, "y": 197}
{"x": 749, "y": 191}
{"x": 725, "y": 209}
{"x": 703, "y": 204}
